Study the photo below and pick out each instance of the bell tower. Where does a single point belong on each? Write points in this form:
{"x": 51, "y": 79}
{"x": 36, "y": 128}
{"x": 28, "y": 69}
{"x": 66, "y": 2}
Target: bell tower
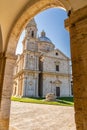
{"x": 30, "y": 60}
{"x": 30, "y": 40}
{"x": 31, "y": 29}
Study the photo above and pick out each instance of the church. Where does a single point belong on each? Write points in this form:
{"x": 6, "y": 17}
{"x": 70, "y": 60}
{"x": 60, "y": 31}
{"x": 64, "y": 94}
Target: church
{"x": 41, "y": 69}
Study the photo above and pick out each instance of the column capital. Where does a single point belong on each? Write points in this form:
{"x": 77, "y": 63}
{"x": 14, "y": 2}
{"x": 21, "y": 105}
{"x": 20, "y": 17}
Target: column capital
{"x": 11, "y": 56}
{"x": 75, "y": 17}
{"x": 7, "y": 55}
{"x": 78, "y": 15}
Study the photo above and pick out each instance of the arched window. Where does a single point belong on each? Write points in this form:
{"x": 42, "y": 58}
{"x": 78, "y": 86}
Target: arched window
{"x": 32, "y": 34}
{"x": 56, "y": 53}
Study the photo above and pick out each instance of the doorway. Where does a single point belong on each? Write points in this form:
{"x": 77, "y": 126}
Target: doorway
{"x": 58, "y": 91}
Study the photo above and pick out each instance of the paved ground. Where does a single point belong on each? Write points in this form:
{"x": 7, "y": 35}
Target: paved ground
{"x": 27, "y": 116}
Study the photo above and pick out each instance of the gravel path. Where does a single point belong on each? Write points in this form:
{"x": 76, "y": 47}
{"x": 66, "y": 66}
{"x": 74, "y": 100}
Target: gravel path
{"x": 27, "y": 116}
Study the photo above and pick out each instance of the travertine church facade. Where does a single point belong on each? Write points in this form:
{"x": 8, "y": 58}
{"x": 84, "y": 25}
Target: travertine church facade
{"x": 41, "y": 68}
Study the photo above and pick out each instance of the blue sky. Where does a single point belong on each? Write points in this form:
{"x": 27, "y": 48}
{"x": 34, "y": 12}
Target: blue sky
{"x": 52, "y": 22}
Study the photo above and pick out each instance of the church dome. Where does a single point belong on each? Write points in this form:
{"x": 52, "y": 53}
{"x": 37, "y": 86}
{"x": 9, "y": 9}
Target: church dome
{"x": 43, "y": 38}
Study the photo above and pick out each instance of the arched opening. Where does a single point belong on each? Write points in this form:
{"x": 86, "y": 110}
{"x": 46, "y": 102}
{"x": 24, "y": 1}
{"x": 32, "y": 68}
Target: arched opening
{"x": 25, "y": 17}
{"x": 77, "y": 25}
{"x": 57, "y": 85}
{"x": 32, "y": 33}
{"x": 17, "y": 29}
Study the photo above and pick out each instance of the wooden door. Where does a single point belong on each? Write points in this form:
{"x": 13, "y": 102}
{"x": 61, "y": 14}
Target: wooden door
{"x": 57, "y": 91}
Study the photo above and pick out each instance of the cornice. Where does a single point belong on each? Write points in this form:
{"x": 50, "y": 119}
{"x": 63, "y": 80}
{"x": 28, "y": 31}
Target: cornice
{"x": 57, "y": 58}
{"x": 23, "y": 71}
{"x": 56, "y": 73}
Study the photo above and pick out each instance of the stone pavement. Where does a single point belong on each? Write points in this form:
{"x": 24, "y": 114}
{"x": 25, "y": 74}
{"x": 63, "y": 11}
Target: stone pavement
{"x": 27, "y": 116}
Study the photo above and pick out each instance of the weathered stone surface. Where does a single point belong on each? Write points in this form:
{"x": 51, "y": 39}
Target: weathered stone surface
{"x": 6, "y": 93}
{"x": 4, "y": 124}
{"x": 78, "y": 38}
{"x": 50, "y": 97}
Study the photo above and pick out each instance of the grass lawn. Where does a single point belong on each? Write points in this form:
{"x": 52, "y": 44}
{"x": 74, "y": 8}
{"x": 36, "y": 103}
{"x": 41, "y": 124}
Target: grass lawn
{"x": 63, "y": 101}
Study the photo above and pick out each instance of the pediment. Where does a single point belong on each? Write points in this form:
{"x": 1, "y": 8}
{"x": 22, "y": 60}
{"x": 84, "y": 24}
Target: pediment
{"x": 57, "y": 82}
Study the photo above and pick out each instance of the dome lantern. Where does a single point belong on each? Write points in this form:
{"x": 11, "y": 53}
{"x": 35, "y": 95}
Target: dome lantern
{"x": 43, "y": 34}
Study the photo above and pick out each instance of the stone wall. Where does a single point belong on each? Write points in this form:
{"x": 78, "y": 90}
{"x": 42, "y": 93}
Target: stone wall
{"x": 49, "y": 65}
{"x": 31, "y": 85}
{"x": 49, "y": 85}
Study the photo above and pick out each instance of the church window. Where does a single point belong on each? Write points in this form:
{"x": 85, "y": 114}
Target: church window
{"x": 48, "y": 48}
{"x": 56, "y": 53}
{"x": 57, "y": 67}
{"x": 32, "y": 33}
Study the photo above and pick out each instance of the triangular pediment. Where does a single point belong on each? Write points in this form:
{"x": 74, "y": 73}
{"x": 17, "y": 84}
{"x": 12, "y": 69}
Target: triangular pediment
{"x": 56, "y": 53}
{"x": 57, "y": 82}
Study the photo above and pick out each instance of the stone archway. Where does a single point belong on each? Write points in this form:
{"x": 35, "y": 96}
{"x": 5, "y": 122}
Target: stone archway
{"x": 77, "y": 23}
{"x": 20, "y": 22}
{"x": 27, "y": 14}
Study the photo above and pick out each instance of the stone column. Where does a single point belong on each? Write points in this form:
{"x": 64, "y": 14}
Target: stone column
{"x": 6, "y": 92}
{"x": 78, "y": 38}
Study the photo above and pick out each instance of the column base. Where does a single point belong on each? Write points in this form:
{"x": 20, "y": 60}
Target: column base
{"x": 4, "y": 124}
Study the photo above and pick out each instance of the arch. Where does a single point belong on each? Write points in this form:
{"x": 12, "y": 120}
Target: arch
{"x": 31, "y": 9}
{"x": 79, "y": 61}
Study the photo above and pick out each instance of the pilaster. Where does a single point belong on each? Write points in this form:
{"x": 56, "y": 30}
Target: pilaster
{"x": 24, "y": 86}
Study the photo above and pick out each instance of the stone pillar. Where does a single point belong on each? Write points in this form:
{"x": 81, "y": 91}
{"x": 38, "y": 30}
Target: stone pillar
{"x": 7, "y": 84}
{"x": 78, "y": 38}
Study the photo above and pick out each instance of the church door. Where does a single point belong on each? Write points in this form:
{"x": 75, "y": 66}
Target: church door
{"x": 57, "y": 91}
